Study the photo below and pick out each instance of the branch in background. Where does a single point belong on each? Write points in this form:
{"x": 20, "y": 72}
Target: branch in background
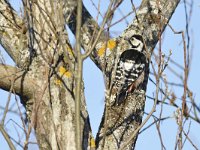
{"x": 90, "y": 28}
{"x": 12, "y": 28}
{"x": 7, "y": 138}
{"x": 78, "y": 79}
{"x": 23, "y": 86}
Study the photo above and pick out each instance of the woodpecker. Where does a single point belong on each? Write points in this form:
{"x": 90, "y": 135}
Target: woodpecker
{"x": 130, "y": 69}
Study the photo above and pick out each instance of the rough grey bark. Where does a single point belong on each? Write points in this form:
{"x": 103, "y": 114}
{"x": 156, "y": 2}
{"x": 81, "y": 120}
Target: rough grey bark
{"x": 22, "y": 85}
{"x": 12, "y": 33}
{"x": 119, "y": 122}
{"x": 89, "y": 29}
{"x": 43, "y": 55}
{"x": 38, "y": 44}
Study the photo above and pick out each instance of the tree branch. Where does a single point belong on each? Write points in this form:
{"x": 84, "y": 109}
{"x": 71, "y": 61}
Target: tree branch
{"x": 12, "y": 33}
{"x": 23, "y": 86}
{"x": 78, "y": 79}
{"x": 151, "y": 18}
{"x": 52, "y": 69}
{"x": 7, "y": 138}
{"x": 89, "y": 29}
{"x": 121, "y": 121}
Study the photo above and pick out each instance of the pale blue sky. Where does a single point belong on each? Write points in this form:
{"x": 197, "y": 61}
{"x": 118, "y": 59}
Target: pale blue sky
{"x": 94, "y": 86}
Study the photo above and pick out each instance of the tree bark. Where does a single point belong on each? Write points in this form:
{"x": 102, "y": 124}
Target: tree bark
{"x": 46, "y": 58}
{"x": 11, "y": 75}
{"x": 39, "y": 45}
{"x": 119, "y": 122}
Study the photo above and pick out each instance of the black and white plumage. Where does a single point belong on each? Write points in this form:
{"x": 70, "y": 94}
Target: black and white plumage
{"x": 130, "y": 67}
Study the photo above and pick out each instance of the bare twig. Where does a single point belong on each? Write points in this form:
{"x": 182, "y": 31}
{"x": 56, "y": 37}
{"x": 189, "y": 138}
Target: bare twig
{"x": 8, "y": 102}
{"x": 7, "y": 138}
{"x": 78, "y": 76}
{"x": 155, "y": 121}
{"x": 93, "y": 44}
{"x": 186, "y": 135}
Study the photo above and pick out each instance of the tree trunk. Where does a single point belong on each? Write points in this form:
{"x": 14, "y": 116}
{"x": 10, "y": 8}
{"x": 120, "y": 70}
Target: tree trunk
{"x": 39, "y": 45}
{"x": 119, "y": 122}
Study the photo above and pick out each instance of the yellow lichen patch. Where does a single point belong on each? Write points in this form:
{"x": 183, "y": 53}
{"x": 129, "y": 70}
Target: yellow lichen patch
{"x": 64, "y": 72}
{"x": 101, "y": 51}
{"x": 57, "y": 81}
{"x": 68, "y": 74}
{"x": 92, "y": 143}
{"x": 110, "y": 45}
{"x": 69, "y": 50}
